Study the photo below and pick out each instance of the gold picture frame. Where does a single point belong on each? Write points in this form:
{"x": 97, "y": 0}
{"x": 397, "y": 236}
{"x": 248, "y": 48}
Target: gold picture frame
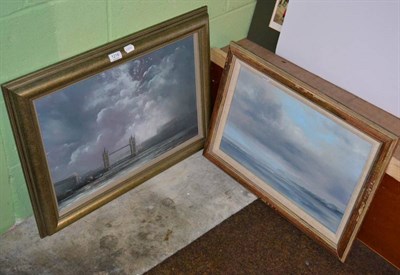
{"x": 308, "y": 156}
{"x": 94, "y": 126}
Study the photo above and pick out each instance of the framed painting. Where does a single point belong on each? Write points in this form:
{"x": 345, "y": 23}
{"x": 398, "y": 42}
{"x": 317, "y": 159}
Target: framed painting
{"x": 314, "y": 160}
{"x": 94, "y": 126}
{"x": 278, "y": 15}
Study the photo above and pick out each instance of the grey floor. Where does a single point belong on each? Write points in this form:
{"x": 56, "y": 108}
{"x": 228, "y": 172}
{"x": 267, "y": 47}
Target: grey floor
{"x": 136, "y": 231}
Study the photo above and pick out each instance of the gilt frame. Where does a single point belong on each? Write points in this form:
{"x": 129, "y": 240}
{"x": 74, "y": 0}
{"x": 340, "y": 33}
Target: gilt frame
{"x": 29, "y": 114}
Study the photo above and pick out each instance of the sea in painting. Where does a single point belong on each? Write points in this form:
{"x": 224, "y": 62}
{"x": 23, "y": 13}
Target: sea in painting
{"x": 105, "y": 127}
{"x": 306, "y": 156}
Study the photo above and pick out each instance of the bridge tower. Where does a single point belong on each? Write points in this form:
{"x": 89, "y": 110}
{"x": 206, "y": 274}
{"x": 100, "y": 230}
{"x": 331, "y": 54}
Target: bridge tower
{"x": 106, "y": 159}
{"x": 132, "y": 145}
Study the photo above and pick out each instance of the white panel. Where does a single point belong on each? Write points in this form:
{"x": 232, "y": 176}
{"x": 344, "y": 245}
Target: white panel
{"x": 353, "y": 44}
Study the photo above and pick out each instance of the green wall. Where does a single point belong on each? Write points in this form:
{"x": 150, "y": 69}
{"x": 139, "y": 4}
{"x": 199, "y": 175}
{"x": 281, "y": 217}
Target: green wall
{"x": 37, "y": 33}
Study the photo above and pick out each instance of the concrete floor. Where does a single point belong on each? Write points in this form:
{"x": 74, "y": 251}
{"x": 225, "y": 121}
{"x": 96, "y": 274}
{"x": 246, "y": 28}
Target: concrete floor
{"x": 136, "y": 231}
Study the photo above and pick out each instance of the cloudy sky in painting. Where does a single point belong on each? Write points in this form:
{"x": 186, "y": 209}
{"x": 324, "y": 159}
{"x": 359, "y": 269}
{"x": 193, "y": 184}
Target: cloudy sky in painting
{"x": 135, "y": 98}
{"x": 314, "y": 151}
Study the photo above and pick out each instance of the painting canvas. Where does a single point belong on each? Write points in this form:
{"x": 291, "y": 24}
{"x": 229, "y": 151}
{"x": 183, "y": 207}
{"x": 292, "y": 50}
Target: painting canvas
{"x": 290, "y": 150}
{"x": 104, "y": 127}
{"x": 94, "y": 126}
{"x": 307, "y": 157}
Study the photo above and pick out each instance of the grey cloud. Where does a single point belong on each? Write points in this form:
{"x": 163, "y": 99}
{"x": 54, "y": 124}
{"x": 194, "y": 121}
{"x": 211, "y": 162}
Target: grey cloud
{"x": 257, "y": 113}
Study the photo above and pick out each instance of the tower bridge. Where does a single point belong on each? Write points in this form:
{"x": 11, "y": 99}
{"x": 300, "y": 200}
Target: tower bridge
{"x": 106, "y": 155}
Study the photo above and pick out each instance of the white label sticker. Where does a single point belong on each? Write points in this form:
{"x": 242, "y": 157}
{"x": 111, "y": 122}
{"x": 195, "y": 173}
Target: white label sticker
{"x": 129, "y": 48}
{"x": 115, "y": 56}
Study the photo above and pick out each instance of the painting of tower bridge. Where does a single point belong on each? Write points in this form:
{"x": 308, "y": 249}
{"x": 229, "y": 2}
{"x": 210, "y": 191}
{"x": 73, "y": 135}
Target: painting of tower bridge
{"x": 102, "y": 129}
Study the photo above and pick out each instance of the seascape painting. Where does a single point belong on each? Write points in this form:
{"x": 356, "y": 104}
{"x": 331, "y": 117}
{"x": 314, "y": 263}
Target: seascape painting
{"x": 299, "y": 152}
{"x": 284, "y": 134}
{"x": 107, "y": 126}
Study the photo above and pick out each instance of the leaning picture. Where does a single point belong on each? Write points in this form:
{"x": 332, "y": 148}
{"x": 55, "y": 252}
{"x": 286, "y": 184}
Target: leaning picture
{"x": 94, "y": 126}
{"x": 282, "y": 140}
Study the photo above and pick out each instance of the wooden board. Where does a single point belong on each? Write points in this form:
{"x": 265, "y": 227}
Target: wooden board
{"x": 381, "y": 227}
